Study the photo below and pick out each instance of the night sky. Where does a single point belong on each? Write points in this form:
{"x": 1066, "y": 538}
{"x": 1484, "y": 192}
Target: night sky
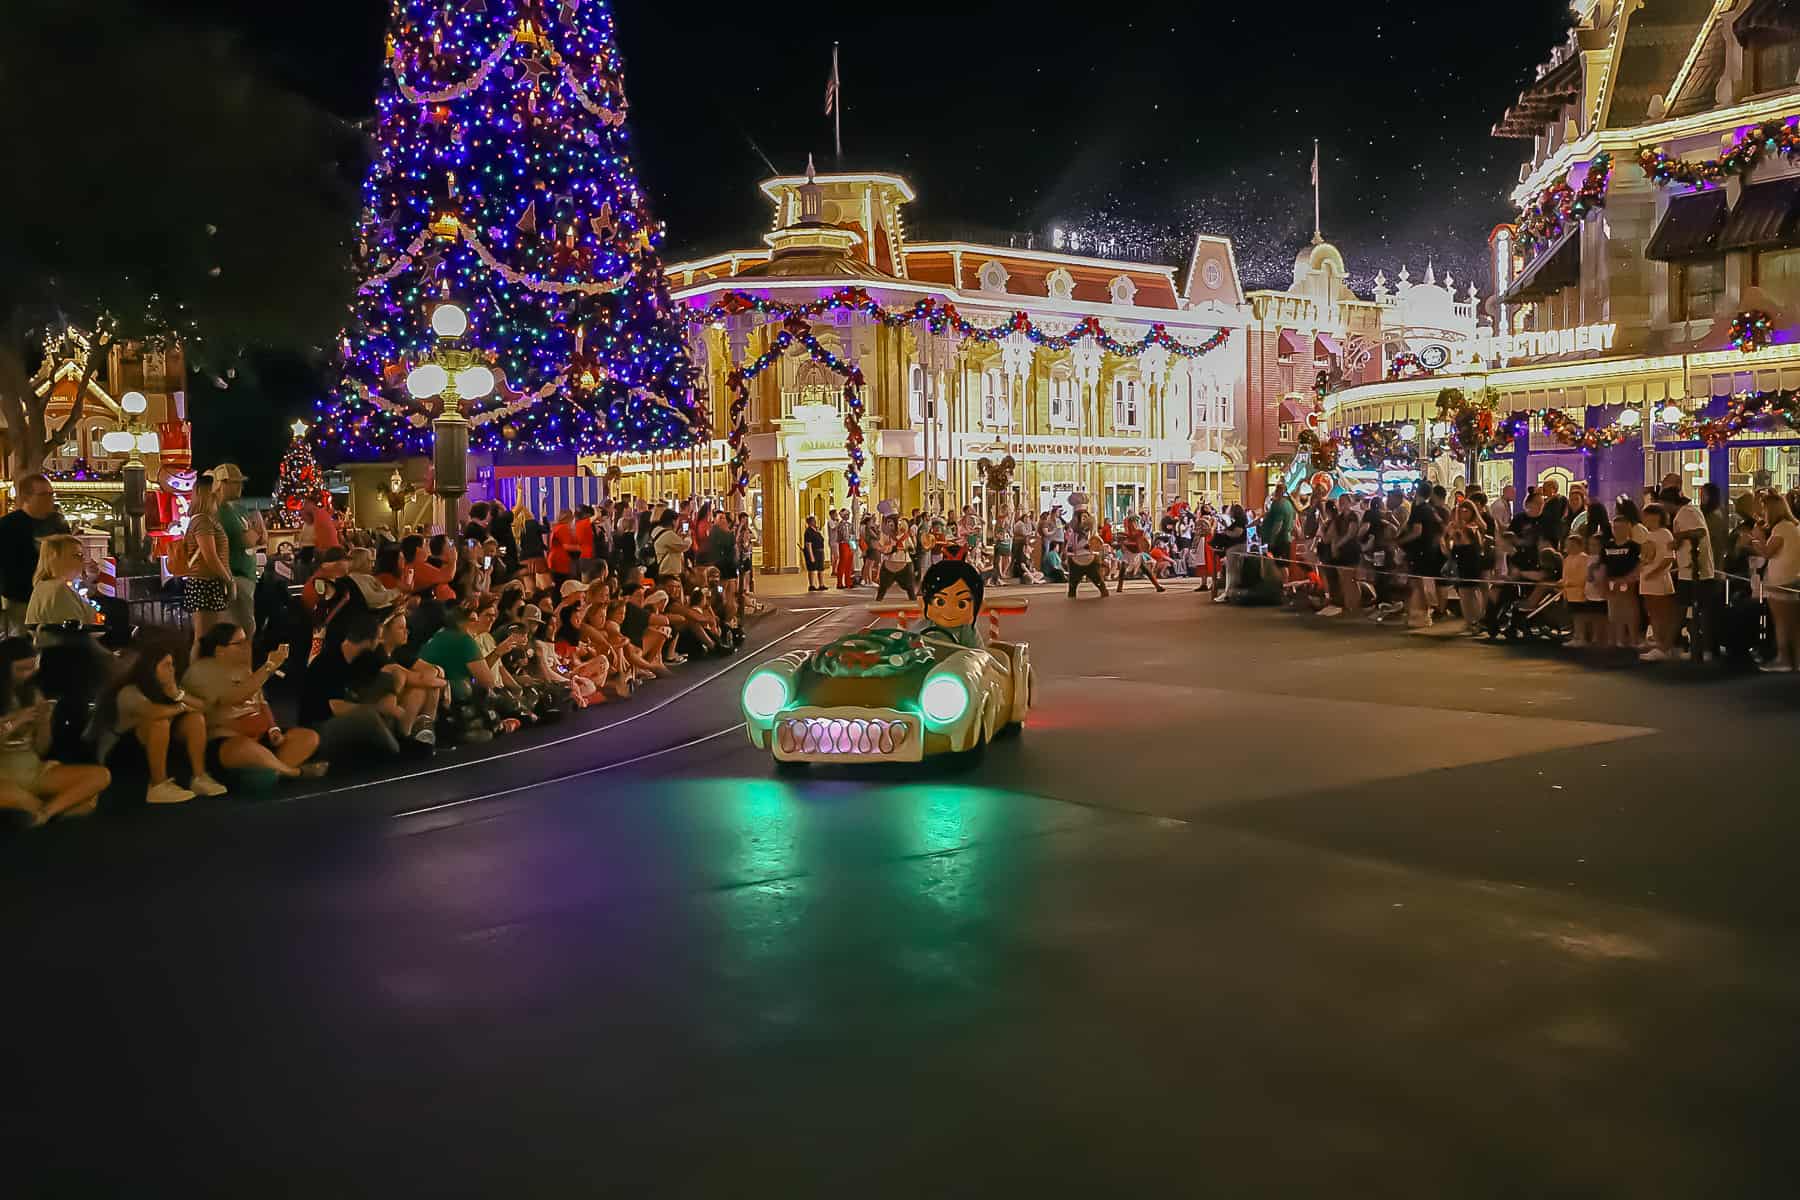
{"x": 1014, "y": 118}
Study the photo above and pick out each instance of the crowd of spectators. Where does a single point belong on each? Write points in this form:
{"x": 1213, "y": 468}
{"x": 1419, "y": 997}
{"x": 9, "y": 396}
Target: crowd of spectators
{"x": 379, "y": 643}
{"x": 1660, "y": 575}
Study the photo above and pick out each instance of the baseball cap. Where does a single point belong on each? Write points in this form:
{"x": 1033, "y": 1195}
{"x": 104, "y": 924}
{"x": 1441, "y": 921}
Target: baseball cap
{"x": 226, "y": 473}
{"x": 572, "y": 587}
{"x": 532, "y": 612}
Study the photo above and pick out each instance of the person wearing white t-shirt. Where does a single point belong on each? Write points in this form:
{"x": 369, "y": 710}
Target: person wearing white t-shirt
{"x": 1656, "y": 583}
{"x": 1778, "y": 540}
{"x": 1698, "y": 595}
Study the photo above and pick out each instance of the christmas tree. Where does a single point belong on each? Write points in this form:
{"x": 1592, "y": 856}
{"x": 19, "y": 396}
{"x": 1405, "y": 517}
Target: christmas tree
{"x": 503, "y": 180}
{"x": 298, "y": 481}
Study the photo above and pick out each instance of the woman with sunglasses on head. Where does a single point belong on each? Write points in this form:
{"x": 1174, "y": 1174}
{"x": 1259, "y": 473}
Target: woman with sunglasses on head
{"x": 241, "y": 731}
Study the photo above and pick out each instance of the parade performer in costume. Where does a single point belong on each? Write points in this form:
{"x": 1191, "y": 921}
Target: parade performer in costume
{"x": 952, "y": 592}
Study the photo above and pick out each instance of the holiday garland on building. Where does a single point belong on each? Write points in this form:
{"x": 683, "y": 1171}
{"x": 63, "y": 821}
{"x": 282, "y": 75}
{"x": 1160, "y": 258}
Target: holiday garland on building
{"x": 1476, "y": 427}
{"x": 298, "y": 480}
{"x": 503, "y": 179}
{"x": 1547, "y": 214}
{"x": 1750, "y": 331}
{"x": 795, "y": 332}
{"x": 940, "y": 316}
{"x": 1777, "y": 136}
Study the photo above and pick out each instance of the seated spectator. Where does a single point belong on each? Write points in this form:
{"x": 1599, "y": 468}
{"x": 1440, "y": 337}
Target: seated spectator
{"x": 421, "y": 690}
{"x": 54, "y": 600}
{"x": 30, "y": 782}
{"x": 241, "y": 730}
{"x": 453, "y": 650}
{"x": 348, "y": 699}
{"x": 695, "y": 631}
{"x": 144, "y": 703}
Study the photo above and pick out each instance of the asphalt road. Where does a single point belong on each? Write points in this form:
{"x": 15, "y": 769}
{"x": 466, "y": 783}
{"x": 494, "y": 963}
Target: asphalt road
{"x": 1255, "y": 906}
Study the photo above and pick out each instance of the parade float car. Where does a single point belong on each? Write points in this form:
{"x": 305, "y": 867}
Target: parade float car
{"x": 886, "y": 695}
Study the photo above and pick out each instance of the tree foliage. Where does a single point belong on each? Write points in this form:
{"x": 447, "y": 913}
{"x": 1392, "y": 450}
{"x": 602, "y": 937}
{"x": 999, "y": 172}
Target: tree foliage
{"x": 159, "y": 189}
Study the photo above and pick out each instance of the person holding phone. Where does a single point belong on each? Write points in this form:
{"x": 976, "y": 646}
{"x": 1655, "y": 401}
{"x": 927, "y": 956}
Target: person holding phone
{"x": 241, "y": 731}
{"x": 41, "y": 788}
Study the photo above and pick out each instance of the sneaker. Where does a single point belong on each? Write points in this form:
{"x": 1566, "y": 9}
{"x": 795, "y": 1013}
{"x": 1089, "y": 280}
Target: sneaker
{"x": 1654, "y": 654}
{"x": 1330, "y": 610}
{"x": 168, "y": 792}
{"x": 205, "y": 785}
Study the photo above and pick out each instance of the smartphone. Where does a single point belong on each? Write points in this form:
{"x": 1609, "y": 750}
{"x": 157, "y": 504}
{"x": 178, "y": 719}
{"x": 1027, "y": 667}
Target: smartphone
{"x": 487, "y": 562}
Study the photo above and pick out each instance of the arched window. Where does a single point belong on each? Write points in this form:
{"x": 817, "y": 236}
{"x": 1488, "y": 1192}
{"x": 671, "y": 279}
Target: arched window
{"x": 996, "y": 406}
{"x": 1126, "y": 411}
{"x": 1062, "y": 399}
{"x": 915, "y": 394}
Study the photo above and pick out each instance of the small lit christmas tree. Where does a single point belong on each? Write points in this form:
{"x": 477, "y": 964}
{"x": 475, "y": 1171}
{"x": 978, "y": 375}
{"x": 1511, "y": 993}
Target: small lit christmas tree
{"x": 503, "y": 180}
{"x": 298, "y": 481}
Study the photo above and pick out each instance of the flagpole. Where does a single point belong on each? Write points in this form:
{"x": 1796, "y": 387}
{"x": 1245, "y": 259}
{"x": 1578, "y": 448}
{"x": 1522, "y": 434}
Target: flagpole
{"x": 1317, "y": 236}
{"x": 837, "y": 109}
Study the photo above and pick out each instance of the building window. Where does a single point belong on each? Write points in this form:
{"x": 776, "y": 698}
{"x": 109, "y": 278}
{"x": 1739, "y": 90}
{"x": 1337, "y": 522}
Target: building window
{"x": 1222, "y": 393}
{"x": 1778, "y": 273}
{"x": 1062, "y": 401}
{"x": 915, "y": 394}
{"x": 1699, "y": 285}
{"x": 996, "y": 407}
{"x": 1125, "y": 404}
{"x": 1774, "y": 65}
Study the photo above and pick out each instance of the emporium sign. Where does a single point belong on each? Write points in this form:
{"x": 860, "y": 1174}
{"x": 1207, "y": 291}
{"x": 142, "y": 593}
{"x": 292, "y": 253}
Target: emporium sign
{"x": 1539, "y": 343}
{"x": 1061, "y": 449}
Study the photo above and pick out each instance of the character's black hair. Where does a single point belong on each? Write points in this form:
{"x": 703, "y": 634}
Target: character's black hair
{"x": 947, "y": 572}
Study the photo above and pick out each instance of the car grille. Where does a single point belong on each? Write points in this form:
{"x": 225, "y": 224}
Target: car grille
{"x": 847, "y": 737}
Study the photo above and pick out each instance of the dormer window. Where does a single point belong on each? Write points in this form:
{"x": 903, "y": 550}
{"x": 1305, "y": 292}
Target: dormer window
{"x": 1060, "y": 284}
{"x": 993, "y": 277}
{"x": 1774, "y": 64}
{"x": 1122, "y": 289}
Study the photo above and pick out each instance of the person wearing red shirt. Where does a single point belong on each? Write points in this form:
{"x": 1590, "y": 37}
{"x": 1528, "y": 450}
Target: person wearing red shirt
{"x": 434, "y": 567}
{"x": 1134, "y": 554}
{"x": 325, "y": 529}
{"x": 563, "y": 545}
{"x": 585, "y": 563}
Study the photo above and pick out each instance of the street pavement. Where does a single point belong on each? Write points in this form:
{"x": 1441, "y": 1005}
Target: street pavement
{"x": 1257, "y": 905}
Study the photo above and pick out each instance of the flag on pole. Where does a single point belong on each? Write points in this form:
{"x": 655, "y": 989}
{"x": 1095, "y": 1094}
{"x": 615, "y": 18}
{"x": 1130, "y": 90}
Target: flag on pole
{"x": 831, "y": 88}
{"x": 1315, "y": 171}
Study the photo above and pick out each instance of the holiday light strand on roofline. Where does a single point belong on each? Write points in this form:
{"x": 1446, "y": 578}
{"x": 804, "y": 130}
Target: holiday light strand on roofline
{"x": 940, "y": 315}
{"x": 1779, "y": 136}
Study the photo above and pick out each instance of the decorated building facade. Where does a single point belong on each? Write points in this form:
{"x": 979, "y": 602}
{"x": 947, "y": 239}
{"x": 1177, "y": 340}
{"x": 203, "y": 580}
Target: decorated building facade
{"x": 1648, "y": 292}
{"x": 847, "y": 363}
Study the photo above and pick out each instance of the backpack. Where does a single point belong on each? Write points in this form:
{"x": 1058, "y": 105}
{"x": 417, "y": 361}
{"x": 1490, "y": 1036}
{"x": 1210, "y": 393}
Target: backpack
{"x": 181, "y": 559}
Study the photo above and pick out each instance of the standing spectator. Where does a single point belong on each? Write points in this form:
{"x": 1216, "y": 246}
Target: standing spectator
{"x": 1503, "y": 510}
{"x": 812, "y": 554}
{"x": 1553, "y": 519}
{"x": 1621, "y": 557}
{"x": 322, "y": 520}
{"x": 843, "y": 558}
{"x": 1656, "y": 583}
{"x": 206, "y": 589}
{"x": 1698, "y": 596}
{"x": 669, "y": 546}
{"x": 895, "y": 546}
{"x": 564, "y": 545}
{"x": 533, "y": 549}
{"x": 500, "y": 528}
{"x": 1422, "y": 540}
{"x": 39, "y": 787}
{"x": 587, "y": 562}
{"x": 1778, "y": 540}
{"x": 1712, "y": 511}
{"x": 242, "y": 536}
{"x": 21, "y": 530}
{"x": 1469, "y": 552}
{"x": 1277, "y": 526}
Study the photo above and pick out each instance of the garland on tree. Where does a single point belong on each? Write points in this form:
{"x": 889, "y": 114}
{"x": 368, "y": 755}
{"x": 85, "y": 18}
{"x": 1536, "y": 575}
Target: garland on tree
{"x": 941, "y": 315}
{"x": 1547, "y": 214}
{"x": 1779, "y": 136}
{"x": 1751, "y": 331}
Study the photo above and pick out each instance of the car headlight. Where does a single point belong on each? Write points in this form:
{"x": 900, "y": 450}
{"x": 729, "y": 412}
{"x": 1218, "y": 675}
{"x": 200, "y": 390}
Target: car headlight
{"x": 764, "y": 695}
{"x": 943, "y": 699}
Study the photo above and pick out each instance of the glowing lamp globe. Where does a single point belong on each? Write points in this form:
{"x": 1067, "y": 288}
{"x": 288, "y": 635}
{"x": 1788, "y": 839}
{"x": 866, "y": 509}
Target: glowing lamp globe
{"x": 117, "y": 441}
{"x": 133, "y": 403}
{"x": 427, "y": 380}
{"x": 1670, "y": 414}
{"x": 149, "y": 443}
{"x": 449, "y": 320}
{"x": 472, "y": 383}
{"x": 1631, "y": 418}
{"x": 1409, "y": 431}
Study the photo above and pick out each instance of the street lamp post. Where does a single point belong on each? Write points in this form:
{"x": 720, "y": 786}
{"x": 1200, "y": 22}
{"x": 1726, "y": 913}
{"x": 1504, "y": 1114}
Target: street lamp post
{"x": 135, "y": 441}
{"x": 453, "y": 372}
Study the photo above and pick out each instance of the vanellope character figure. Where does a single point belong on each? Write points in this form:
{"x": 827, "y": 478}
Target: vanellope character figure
{"x": 952, "y": 592}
